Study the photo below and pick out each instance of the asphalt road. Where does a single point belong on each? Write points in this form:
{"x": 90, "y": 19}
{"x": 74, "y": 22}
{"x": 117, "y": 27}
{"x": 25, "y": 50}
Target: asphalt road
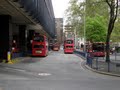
{"x": 57, "y": 71}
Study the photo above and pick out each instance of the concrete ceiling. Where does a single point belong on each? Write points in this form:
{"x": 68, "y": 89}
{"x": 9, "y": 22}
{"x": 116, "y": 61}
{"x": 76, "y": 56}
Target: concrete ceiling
{"x": 19, "y": 15}
{"x": 8, "y": 7}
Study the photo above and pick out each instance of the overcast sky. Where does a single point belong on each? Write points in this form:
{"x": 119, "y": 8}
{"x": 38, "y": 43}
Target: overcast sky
{"x": 59, "y": 7}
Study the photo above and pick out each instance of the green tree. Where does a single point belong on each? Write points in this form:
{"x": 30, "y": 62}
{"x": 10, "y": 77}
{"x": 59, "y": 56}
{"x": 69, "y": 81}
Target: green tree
{"x": 113, "y": 6}
{"x": 96, "y": 7}
{"x": 115, "y": 36}
{"x": 96, "y": 29}
{"x": 75, "y": 13}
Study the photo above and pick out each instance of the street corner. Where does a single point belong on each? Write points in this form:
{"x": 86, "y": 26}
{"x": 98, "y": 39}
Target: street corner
{"x": 16, "y": 60}
{"x": 101, "y": 72}
{"x": 12, "y": 61}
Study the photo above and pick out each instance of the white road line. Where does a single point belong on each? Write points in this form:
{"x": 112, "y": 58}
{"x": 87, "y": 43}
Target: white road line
{"x": 44, "y": 74}
{"x": 81, "y": 60}
{"x": 81, "y": 66}
{"x": 15, "y": 69}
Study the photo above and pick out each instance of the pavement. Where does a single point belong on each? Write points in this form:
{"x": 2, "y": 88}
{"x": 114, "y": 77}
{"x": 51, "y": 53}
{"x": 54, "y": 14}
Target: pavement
{"x": 57, "y": 71}
{"x": 100, "y": 66}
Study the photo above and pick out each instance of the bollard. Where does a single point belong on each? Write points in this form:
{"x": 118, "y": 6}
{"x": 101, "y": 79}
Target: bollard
{"x": 89, "y": 59}
{"x": 97, "y": 63}
{"x": 9, "y": 57}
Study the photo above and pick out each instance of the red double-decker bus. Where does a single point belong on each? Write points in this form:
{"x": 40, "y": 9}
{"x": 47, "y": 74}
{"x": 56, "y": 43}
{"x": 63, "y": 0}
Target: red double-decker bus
{"x": 69, "y": 46}
{"x": 40, "y": 45}
{"x": 56, "y": 46}
{"x": 98, "y": 49}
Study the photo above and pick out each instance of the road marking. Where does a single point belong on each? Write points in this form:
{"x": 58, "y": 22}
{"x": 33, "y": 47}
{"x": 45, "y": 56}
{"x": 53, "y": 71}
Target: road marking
{"x": 102, "y": 68}
{"x": 81, "y": 63}
{"x": 44, "y": 74}
{"x": 81, "y": 66}
{"x": 15, "y": 69}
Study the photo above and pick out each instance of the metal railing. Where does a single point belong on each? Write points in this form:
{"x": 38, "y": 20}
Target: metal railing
{"x": 100, "y": 64}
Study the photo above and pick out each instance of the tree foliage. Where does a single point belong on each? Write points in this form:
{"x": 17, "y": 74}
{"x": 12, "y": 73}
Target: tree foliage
{"x": 113, "y": 6}
{"x": 75, "y": 16}
{"x": 96, "y": 29}
{"x": 95, "y": 25}
{"x": 75, "y": 13}
{"x": 96, "y": 7}
{"x": 115, "y": 36}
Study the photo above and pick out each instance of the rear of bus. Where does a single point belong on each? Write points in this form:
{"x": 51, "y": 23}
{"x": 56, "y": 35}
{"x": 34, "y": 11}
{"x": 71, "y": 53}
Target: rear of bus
{"x": 68, "y": 46}
{"x": 98, "y": 49}
{"x": 56, "y": 47}
{"x": 39, "y": 46}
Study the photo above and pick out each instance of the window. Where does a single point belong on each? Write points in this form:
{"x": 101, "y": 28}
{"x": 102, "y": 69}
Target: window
{"x": 69, "y": 41}
{"x": 38, "y": 46}
{"x": 39, "y": 39}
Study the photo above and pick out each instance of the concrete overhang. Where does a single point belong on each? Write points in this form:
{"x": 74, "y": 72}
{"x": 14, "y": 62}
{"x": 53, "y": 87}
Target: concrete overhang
{"x": 19, "y": 15}
{"x": 38, "y": 28}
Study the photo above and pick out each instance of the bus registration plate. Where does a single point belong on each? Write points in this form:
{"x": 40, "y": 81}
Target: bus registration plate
{"x": 38, "y": 51}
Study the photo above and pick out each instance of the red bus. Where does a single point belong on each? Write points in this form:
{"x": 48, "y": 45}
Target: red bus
{"x": 56, "y": 46}
{"x": 40, "y": 46}
{"x": 98, "y": 49}
{"x": 69, "y": 46}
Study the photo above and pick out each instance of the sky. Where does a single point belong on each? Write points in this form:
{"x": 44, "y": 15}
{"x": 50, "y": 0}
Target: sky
{"x": 59, "y": 7}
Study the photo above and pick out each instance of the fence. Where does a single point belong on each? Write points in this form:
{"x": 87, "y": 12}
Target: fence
{"x": 100, "y": 64}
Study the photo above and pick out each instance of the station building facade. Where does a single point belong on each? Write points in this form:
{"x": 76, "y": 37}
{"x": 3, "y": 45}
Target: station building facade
{"x": 19, "y": 19}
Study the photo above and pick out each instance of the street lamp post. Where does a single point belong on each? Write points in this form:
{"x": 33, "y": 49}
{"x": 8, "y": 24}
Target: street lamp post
{"x": 85, "y": 31}
{"x": 75, "y": 37}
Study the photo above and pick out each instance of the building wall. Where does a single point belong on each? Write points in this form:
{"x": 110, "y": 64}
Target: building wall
{"x": 59, "y": 29}
{"x": 5, "y": 35}
{"x": 13, "y": 26}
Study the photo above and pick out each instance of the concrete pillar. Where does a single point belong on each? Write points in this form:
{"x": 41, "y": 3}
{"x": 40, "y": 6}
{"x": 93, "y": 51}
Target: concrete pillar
{"x": 29, "y": 38}
{"x": 5, "y": 35}
{"x": 22, "y": 39}
{"x": 15, "y": 32}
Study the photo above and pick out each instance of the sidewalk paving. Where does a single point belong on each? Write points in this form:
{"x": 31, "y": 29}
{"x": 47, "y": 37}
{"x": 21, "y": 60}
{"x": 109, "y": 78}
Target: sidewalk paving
{"x": 15, "y": 61}
{"x": 18, "y": 60}
{"x": 99, "y": 65}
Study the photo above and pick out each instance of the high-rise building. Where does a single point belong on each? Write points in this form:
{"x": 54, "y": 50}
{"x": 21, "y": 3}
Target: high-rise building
{"x": 59, "y": 29}
{"x": 68, "y": 32}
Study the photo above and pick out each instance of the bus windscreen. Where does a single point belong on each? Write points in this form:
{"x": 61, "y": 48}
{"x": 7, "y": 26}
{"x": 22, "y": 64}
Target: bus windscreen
{"x": 39, "y": 39}
{"x": 69, "y": 41}
{"x": 98, "y": 47}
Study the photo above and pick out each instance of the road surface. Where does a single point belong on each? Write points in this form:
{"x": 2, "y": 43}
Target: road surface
{"x": 57, "y": 71}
